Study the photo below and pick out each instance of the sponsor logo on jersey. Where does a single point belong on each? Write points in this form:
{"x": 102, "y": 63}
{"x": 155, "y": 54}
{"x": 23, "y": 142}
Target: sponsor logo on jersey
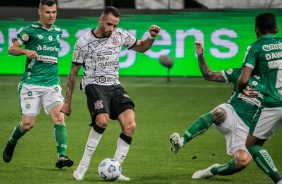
{"x": 27, "y": 106}
{"x": 40, "y": 36}
{"x": 104, "y": 53}
{"x": 25, "y": 37}
{"x": 108, "y": 63}
{"x": 270, "y": 47}
{"x": 253, "y": 101}
{"x": 98, "y": 104}
{"x": 45, "y": 47}
{"x": 58, "y": 29}
{"x": 39, "y": 47}
{"x": 102, "y": 79}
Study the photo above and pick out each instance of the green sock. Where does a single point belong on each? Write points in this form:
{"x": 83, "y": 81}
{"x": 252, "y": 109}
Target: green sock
{"x": 16, "y": 135}
{"x": 264, "y": 162}
{"x": 198, "y": 127}
{"x": 60, "y": 135}
{"x": 226, "y": 169}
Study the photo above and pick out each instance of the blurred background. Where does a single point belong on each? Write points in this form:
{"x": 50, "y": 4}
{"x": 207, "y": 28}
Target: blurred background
{"x": 225, "y": 27}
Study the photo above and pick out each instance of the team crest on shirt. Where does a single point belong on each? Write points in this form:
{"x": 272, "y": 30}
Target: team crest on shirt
{"x": 115, "y": 40}
{"x": 25, "y": 37}
{"x": 98, "y": 104}
{"x": 229, "y": 71}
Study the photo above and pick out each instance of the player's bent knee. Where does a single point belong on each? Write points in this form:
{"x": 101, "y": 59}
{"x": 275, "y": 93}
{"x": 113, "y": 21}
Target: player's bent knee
{"x": 128, "y": 128}
{"x": 242, "y": 160}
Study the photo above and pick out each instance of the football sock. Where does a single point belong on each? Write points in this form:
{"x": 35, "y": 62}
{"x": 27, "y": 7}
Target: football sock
{"x": 226, "y": 169}
{"x": 16, "y": 135}
{"x": 264, "y": 162}
{"x": 198, "y": 127}
{"x": 123, "y": 145}
{"x": 92, "y": 142}
{"x": 60, "y": 134}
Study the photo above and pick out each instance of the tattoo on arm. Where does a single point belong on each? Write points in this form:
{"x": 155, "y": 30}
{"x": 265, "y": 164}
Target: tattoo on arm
{"x": 71, "y": 82}
{"x": 207, "y": 73}
{"x": 219, "y": 115}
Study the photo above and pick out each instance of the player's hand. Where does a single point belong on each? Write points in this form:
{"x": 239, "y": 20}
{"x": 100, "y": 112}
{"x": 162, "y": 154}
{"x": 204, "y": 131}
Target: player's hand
{"x": 250, "y": 92}
{"x": 199, "y": 48}
{"x": 66, "y": 109}
{"x": 154, "y": 30}
{"x": 31, "y": 54}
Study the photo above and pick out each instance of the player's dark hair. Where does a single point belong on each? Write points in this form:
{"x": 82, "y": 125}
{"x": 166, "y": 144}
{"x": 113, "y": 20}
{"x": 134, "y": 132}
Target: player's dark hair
{"x": 112, "y": 10}
{"x": 47, "y": 2}
{"x": 266, "y": 23}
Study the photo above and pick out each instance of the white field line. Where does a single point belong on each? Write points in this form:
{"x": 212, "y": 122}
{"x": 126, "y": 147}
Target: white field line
{"x": 175, "y": 85}
{"x": 151, "y": 85}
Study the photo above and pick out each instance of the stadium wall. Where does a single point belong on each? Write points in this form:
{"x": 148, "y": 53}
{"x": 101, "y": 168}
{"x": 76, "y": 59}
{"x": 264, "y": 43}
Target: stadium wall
{"x": 225, "y": 34}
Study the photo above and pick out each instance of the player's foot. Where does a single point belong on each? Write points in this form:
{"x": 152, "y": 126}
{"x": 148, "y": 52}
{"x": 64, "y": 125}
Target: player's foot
{"x": 79, "y": 172}
{"x": 122, "y": 177}
{"x": 63, "y": 161}
{"x": 8, "y": 152}
{"x": 176, "y": 142}
{"x": 204, "y": 174}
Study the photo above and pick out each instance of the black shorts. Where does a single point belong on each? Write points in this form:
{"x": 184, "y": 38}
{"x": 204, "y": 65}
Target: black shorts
{"x": 112, "y": 100}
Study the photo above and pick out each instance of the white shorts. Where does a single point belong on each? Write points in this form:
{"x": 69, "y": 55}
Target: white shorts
{"x": 270, "y": 119}
{"x": 32, "y": 97}
{"x": 234, "y": 130}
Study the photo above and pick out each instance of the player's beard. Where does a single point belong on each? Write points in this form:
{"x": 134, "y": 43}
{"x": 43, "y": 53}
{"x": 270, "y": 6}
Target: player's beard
{"x": 106, "y": 34}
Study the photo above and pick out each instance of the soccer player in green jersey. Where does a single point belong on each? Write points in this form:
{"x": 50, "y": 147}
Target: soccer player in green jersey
{"x": 40, "y": 83}
{"x": 232, "y": 119}
{"x": 265, "y": 58}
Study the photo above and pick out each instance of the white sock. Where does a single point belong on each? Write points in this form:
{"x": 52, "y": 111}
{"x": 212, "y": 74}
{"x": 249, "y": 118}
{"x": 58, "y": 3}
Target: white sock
{"x": 122, "y": 149}
{"x": 92, "y": 142}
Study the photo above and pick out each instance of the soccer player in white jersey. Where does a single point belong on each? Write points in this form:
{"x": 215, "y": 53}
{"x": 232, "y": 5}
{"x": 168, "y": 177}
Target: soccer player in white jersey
{"x": 98, "y": 52}
{"x": 40, "y": 83}
{"x": 265, "y": 58}
{"x": 232, "y": 119}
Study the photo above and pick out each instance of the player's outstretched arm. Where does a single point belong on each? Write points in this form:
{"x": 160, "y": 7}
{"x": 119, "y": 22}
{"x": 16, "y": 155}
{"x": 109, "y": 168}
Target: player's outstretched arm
{"x": 207, "y": 73}
{"x": 66, "y": 108}
{"x": 144, "y": 45}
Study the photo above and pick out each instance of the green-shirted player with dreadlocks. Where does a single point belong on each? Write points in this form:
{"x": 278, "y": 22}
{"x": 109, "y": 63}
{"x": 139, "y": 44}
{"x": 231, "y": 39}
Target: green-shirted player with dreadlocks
{"x": 232, "y": 119}
{"x": 265, "y": 58}
{"x": 40, "y": 83}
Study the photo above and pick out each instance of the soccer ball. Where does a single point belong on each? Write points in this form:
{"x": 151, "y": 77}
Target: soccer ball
{"x": 109, "y": 169}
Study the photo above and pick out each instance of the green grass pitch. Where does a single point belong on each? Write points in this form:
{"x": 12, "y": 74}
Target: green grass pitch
{"x": 161, "y": 109}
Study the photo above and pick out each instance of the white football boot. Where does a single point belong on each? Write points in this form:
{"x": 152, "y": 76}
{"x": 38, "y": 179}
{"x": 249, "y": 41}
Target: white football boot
{"x": 79, "y": 172}
{"x": 122, "y": 177}
{"x": 204, "y": 174}
{"x": 176, "y": 142}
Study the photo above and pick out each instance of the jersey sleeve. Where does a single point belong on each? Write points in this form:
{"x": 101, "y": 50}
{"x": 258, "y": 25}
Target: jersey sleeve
{"x": 22, "y": 36}
{"x": 231, "y": 75}
{"x": 77, "y": 57}
{"x": 128, "y": 40}
{"x": 250, "y": 59}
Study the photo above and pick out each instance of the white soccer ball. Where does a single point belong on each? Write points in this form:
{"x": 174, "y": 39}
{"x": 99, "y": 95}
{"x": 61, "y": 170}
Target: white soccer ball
{"x": 109, "y": 169}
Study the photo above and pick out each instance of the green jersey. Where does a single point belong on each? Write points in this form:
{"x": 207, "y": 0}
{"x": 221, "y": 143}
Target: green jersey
{"x": 42, "y": 71}
{"x": 265, "y": 57}
{"x": 244, "y": 106}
